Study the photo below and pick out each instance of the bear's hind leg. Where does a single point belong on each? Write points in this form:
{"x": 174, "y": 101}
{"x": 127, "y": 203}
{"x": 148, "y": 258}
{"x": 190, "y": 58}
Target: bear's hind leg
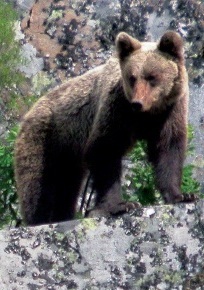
{"x": 48, "y": 186}
{"x": 68, "y": 174}
{"x": 47, "y": 181}
{"x": 29, "y": 173}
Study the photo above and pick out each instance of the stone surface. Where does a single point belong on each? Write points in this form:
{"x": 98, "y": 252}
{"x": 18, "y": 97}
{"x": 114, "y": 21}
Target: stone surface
{"x": 24, "y": 5}
{"x": 152, "y": 248}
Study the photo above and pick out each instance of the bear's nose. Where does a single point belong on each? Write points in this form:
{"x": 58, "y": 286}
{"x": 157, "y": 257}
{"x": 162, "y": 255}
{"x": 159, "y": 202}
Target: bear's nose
{"x": 137, "y": 106}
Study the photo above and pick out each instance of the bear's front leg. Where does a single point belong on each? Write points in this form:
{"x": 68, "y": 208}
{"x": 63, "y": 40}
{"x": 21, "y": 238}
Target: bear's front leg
{"x": 167, "y": 157}
{"x": 107, "y": 143}
{"x": 106, "y": 174}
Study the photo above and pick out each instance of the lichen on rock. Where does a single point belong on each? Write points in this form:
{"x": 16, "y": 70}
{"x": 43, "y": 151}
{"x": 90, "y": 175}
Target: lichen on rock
{"x": 163, "y": 250}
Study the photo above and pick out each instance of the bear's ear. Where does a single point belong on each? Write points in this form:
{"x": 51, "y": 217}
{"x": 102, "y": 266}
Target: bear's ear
{"x": 125, "y": 45}
{"x": 172, "y": 43}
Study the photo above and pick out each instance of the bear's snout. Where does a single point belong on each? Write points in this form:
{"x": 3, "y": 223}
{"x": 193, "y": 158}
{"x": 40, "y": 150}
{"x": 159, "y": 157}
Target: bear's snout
{"x": 137, "y": 106}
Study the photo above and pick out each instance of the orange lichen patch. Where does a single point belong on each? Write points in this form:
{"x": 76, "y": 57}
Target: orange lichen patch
{"x": 57, "y": 31}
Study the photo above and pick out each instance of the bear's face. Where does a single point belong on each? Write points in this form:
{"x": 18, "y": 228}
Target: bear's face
{"x": 151, "y": 79}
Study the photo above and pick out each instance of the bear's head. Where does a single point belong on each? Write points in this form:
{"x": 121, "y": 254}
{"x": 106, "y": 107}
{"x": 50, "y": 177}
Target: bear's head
{"x": 153, "y": 75}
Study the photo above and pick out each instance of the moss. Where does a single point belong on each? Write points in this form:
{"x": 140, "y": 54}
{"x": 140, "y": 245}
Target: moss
{"x": 41, "y": 81}
{"x": 160, "y": 276}
{"x": 56, "y": 14}
{"x": 174, "y": 277}
{"x": 166, "y": 216}
{"x": 89, "y": 224}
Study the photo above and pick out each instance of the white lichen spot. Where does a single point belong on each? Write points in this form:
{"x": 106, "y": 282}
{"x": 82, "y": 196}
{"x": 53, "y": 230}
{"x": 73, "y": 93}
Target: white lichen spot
{"x": 149, "y": 212}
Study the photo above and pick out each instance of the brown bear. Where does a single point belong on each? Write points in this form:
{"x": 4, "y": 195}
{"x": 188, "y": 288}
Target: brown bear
{"x": 90, "y": 122}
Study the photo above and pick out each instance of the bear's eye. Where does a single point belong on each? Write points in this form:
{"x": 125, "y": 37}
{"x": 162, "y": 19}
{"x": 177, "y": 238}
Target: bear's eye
{"x": 152, "y": 80}
{"x": 132, "y": 80}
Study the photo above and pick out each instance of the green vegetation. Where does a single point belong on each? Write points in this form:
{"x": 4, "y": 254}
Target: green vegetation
{"x": 189, "y": 184}
{"x": 10, "y": 79}
{"x": 12, "y": 103}
{"x": 141, "y": 178}
{"x": 10, "y": 56}
{"x": 8, "y": 196}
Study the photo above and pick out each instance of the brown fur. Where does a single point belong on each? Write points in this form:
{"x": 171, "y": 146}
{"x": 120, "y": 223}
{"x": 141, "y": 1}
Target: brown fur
{"x": 91, "y": 121}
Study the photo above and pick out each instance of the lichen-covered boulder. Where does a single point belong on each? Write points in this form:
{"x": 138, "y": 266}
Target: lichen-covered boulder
{"x": 152, "y": 248}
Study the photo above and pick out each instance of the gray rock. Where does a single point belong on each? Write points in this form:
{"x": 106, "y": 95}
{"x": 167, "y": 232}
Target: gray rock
{"x": 152, "y": 248}
{"x": 33, "y": 63}
{"x": 25, "y": 5}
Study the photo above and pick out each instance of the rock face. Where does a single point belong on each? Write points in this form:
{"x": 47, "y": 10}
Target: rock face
{"x": 153, "y": 248}
{"x": 77, "y": 35}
